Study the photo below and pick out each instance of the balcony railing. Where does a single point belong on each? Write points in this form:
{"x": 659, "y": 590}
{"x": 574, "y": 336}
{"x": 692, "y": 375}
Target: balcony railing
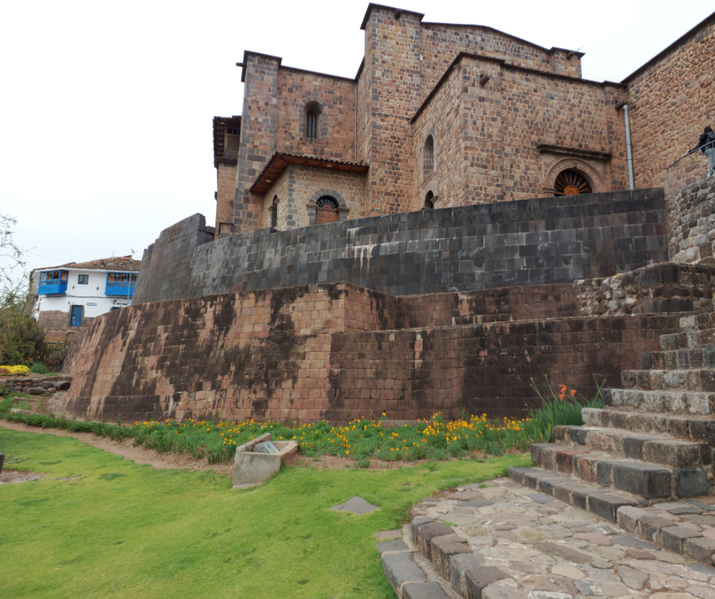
{"x": 120, "y": 288}
{"x": 688, "y": 169}
{"x": 52, "y": 288}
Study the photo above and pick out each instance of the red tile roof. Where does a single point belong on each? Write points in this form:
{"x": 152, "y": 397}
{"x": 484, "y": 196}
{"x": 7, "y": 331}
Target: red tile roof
{"x": 118, "y": 263}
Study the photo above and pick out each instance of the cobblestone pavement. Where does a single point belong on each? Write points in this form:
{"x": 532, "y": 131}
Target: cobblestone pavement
{"x": 501, "y": 540}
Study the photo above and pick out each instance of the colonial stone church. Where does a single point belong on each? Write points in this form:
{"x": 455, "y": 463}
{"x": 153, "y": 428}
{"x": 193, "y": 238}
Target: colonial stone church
{"x": 442, "y": 115}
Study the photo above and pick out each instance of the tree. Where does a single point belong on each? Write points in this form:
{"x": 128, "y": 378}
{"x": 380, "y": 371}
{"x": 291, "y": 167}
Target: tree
{"x": 21, "y": 337}
{"x": 10, "y": 254}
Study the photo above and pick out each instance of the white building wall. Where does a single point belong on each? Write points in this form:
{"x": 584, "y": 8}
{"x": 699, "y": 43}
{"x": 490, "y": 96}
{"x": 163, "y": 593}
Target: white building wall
{"x": 91, "y": 295}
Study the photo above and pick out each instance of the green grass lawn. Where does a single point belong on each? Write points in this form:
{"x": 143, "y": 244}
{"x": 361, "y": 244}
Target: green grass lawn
{"x": 127, "y": 530}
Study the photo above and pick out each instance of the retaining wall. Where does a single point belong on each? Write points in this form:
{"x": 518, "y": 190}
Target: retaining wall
{"x": 527, "y": 242}
{"x": 691, "y": 217}
{"x": 338, "y": 351}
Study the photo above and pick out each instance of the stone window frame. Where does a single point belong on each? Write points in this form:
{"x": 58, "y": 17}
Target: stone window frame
{"x": 573, "y": 164}
{"x": 428, "y": 160}
{"x": 322, "y": 129}
{"x": 312, "y": 204}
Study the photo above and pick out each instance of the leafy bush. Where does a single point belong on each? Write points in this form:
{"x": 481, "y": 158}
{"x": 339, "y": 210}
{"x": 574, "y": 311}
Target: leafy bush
{"x": 21, "y": 337}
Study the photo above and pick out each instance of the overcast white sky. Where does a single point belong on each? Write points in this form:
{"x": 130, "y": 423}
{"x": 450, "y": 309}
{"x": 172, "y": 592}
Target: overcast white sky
{"x": 106, "y": 106}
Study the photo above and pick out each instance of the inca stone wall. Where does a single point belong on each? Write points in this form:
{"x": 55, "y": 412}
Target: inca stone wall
{"x": 527, "y": 242}
{"x": 339, "y": 352}
{"x": 483, "y": 369}
{"x": 691, "y": 217}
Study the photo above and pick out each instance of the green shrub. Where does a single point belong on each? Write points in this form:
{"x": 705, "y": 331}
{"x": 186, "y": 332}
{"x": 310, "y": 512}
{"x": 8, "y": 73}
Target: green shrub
{"x": 38, "y": 368}
{"x": 21, "y": 337}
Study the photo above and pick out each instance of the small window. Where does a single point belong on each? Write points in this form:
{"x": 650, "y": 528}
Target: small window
{"x": 327, "y": 211}
{"x": 274, "y": 213}
{"x": 82, "y": 279}
{"x": 312, "y": 125}
{"x": 43, "y": 277}
{"x": 312, "y": 120}
{"x": 428, "y": 157}
{"x": 429, "y": 201}
{"x": 571, "y": 183}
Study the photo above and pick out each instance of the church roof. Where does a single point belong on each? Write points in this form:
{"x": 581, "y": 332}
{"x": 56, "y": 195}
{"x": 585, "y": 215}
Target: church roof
{"x": 281, "y": 160}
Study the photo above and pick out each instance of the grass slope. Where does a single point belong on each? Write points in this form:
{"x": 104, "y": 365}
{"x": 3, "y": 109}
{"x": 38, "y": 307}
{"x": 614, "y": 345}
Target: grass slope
{"x": 127, "y": 530}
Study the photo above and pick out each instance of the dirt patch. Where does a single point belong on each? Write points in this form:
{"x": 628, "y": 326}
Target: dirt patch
{"x": 13, "y": 476}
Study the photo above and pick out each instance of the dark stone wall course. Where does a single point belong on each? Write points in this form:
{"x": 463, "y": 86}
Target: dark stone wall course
{"x": 535, "y": 241}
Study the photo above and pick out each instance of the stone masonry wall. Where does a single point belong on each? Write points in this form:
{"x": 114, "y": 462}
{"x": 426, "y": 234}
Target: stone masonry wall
{"x": 57, "y": 324}
{"x": 225, "y": 194}
{"x": 660, "y": 288}
{"x": 392, "y": 57}
{"x": 296, "y": 186}
{"x": 671, "y": 99}
{"x": 441, "y": 43}
{"x": 324, "y": 351}
{"x": 258, "y": 136}
{"x": 691, "y": 217}
{"x": 336, "y": 123}
{"x": 486, "y": 137}
{"x": 526, "y": 242}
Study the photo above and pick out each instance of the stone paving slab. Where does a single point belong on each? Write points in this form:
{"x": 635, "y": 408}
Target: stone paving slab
{"x": 523, "y": 548}
{"x": 356, "y": 505}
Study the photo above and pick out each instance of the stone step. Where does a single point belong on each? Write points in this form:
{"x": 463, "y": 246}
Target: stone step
{"x": 648, "y": 447}
{"x": 680, "y": 359}
{"x": 698, "y": 379}
{"x": 672, "y": 402}
{"x": 658, "y": 524}
{"x": 592, "y": 498}
{"x": 688, "y": 339}
{"x": 642, "y": 479}
{"x": 701, "y": 429}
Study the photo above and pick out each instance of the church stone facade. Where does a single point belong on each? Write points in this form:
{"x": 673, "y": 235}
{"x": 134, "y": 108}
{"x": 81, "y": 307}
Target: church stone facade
{"x": 442, "y": 115}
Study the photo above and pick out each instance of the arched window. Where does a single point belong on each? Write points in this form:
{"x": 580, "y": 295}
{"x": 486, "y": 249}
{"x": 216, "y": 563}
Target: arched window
{"x": 312, "y": 120}
{"x": 429, "y": 203}
{"x": 428, "y": 157}
{"x": 571, "y": 183}
{"x": 327, "y": 210}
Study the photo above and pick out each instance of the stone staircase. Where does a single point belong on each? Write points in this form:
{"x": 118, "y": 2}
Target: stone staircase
{"x": 646, "y": 461}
